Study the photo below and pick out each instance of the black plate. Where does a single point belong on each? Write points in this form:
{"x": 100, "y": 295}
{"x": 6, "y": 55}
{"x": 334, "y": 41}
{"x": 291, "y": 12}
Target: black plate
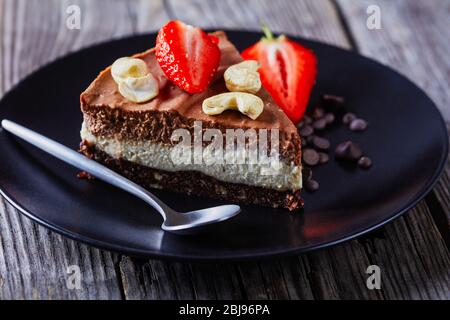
{"x": 407, "y": 141}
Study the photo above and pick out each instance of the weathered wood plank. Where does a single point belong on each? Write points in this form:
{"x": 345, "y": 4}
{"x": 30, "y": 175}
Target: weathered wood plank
{"x": 439, "y": 200}
{"x": 2, "y": 36}
{"x": 414, "y": 39}
{"x": 413, "y": 261}
{"x": 339, "y": 272}
{"x": 33, "y": 260}
{"x": 169, "y": 280}
{"x": 311, "y": 19}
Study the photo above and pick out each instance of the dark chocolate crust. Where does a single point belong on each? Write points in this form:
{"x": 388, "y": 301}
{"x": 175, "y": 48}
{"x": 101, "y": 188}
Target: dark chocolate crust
{"x": 204, "y": 186}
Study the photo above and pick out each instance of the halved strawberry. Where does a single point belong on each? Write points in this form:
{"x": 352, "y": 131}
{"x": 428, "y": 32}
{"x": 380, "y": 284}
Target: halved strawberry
{"x": 288, "y": 72}
{"x": 187, "y": 55}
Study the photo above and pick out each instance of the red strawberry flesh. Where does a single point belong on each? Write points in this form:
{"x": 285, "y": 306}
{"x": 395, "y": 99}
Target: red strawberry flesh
{"x": 288, "y": 72}
{"x": 187, "y": 55}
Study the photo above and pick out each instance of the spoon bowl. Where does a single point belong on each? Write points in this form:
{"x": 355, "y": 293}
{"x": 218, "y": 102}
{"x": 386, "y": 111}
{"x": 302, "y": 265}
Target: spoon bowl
{"x": 193, "y": 221}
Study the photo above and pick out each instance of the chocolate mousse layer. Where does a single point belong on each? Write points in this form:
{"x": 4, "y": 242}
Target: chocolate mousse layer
{"x": 108, "y": 114}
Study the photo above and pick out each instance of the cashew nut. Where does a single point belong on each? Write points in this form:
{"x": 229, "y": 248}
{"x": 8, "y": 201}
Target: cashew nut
{"x": 134, "y": 80}
{"x": 139, "y": 89}
{"x": 246, "y": 103}
{"x": 243, "y": 77}
{"x": 128, "y": 67}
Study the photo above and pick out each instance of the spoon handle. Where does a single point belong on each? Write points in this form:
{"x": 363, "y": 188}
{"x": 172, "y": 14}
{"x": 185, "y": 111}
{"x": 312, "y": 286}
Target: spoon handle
{"x": 83, "y": 163}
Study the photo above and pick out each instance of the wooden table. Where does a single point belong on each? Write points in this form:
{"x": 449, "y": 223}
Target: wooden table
{"x": 413, "y": 251}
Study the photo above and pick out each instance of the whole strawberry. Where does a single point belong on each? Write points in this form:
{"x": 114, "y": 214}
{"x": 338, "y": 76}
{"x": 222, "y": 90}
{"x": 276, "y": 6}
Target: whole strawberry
{"x": 288, "y": 72}
{"x": 188, "y": 56}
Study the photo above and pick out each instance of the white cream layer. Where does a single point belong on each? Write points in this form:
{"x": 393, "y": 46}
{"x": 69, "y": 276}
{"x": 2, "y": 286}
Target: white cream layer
{"x": 158, "y": 156}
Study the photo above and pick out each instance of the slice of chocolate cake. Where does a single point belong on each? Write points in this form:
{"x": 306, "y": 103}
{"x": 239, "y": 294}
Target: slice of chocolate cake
{"x": 136, "y": 139}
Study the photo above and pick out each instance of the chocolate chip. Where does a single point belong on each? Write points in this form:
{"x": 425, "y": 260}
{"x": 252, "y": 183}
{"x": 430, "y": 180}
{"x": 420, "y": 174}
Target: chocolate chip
{"x": 310, "y": 157}
{"x": 306, "y": 173}
{"x": 323, "y": 158}
{"x": 333, "y": 103}
{"x": 320, "y": 124}
{"x": 348, "y": 150}
{"x": 358, "y": 125}
{"x": 333, "y": 98}
{"x": 320, "y": 143}
{"x": 311, "y": 185}
{"x": 317, "y": 113}
{"x": 306, "y": 131}
{"x": 348, "y": 117}
{"x": 365, "y": 162}
{"x": 329, "y": 118}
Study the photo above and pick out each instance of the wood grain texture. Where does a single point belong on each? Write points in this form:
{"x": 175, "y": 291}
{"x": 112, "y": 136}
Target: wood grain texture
{"x": 33, "y": 260}
{"x": 415, "y": 41}
{"x": 311, "y": 19}
{"x": 439, "y": 200}
{"x": 410, "y": 251}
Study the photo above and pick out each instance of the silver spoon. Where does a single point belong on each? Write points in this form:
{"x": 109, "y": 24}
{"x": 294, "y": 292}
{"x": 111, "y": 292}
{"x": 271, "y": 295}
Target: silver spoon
{"x": 176, "y": 222}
